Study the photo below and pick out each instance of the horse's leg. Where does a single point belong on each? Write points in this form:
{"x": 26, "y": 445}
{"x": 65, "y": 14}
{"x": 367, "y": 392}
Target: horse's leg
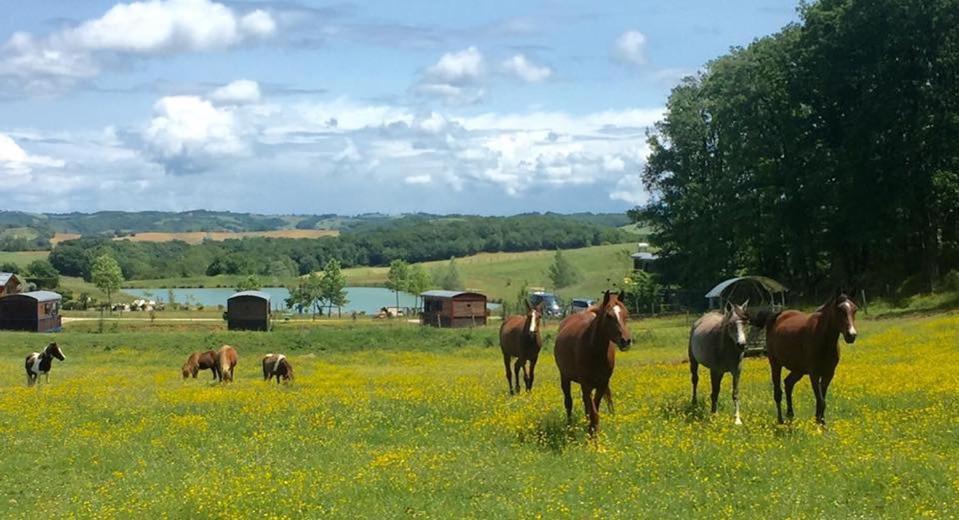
{"x": 694, "y": 374}
{"x": 509, "y": 375}
{"x": 598, "y": 397}
{"x": 777, "y": 373}
{"x": 816, "y": 380}
{"x": 826, "y": 379}
{"x": 516, "y": 368}
{"x": 736, "y": 374}
{"x": 791, "y": 379}
{"x": 567, "y": 399}
{"x": 715, "y": 379}
{"x": 532, "y": 370}
{"x": 590, "y": 409}
{"x": 525, "y": 376}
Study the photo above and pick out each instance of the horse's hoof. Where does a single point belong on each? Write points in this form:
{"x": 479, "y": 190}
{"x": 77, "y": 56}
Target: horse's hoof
{"x": 739, "y": 422}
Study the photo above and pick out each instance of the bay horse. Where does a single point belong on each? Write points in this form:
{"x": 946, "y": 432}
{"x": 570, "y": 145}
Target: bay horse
{"x": 585, "y": 352}
{"x": 717, "y": 341}
{"x": 519, "y": 337}
{"x": 276, "y": 365}
{"x": 808, "y": 344}
{"x": 40, "y": 363}
{"x": 226, "y": 359}
{"x": 200, "y": 361}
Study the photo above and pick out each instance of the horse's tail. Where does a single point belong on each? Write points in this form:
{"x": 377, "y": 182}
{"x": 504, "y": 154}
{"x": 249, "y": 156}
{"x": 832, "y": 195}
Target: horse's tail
{"x": 763, "y": 318}
{"x": 609, "y": 399}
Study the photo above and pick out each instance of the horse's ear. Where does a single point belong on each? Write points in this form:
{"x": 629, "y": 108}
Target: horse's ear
{"x": 728, "y": 308}
{"x": 745, "y": 304}
{"x": 526, "y": 301}
{"x": 620, "y": 295}
{"x": 605, "y": 298}
{"x": 539, "y": 306}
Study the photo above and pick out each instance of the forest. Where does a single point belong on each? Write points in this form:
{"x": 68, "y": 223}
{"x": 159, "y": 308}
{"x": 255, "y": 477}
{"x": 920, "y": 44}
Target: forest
{"x": 823, "y": 155}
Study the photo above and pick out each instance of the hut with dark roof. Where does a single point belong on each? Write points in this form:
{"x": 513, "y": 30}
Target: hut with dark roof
{"x": 37, "y": 311}
{"x": 453, "y": 309}
{"x": 248, "y": 310}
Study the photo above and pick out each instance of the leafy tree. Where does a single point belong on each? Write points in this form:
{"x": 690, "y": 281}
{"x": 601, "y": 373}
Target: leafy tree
{"x": 9, "y": 267}
{"x": 641, "y": 291}
{"x": 448, "y": 277}
{"x": 250, "y": 283}
{"x": 419, "y": 281}
{"x": 562, "y": 272}
{"x": 334, "y": 285}
{"x": 41, "y": 273}
{"x": 313, "y": 295}
{"x": 107, "y": 276}
{"x": 398, "y": 278}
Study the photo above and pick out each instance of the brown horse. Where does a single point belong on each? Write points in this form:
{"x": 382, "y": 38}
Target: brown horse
{"x": 276, "y": 365}
{"x": 200, "y": 361}
{"x": 519, "y": 338}
{"x": 226, "y": 359}
{"x": 808, "y": 344}
{"x": 586, "y": 353}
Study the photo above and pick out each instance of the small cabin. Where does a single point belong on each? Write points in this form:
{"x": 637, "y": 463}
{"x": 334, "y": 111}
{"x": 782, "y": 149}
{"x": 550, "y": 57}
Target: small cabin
{"x": 37, "y": 311}
{"x": 453, "y": 309}
{"x": 248, "y": 310}
{"x": 9, "y": 284}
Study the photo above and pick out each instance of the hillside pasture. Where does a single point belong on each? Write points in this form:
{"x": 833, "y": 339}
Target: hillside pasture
{"x": 196, "y": 237}
{"x": 395, "y": 420}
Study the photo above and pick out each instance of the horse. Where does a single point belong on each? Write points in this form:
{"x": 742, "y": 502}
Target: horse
{"x": 519, "y": 337}
{"x": 718, "y": 341}
{"x": 585, "y": 352}
{"x": 40, "y": 363}
{"x": 200, "y": 361}
{"x": 276, "y": 365}
{"x": 225, "y": 361}
{"x": 808, "y": 344}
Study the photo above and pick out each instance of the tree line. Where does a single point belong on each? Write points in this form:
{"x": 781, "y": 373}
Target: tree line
{"x": 825, "y": 154}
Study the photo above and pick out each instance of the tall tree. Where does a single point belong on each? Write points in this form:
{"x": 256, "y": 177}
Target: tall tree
{"x": 42, "y": 273}
{"x": 107, "y": 276}
{"x": 562, "y": 272}
{"x": 334, "y": 286}
{"x": 250, "y": 283}
{"x": 398, "y": 278}
{"x": 419, "y": 281}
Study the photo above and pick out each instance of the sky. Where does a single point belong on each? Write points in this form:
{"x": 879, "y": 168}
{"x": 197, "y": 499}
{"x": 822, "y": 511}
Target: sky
{"x": 295, "y": 106}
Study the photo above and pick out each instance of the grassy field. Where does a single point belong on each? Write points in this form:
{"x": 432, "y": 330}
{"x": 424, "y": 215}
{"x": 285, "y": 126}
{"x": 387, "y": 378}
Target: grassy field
{"x": 22, "y": 258}
{"x": 195, "y": 237}
{"x": 390, "y": 420}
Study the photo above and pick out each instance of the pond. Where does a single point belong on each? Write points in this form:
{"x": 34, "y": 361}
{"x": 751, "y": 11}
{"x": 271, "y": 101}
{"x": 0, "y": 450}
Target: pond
{"x": 362, "y": 299}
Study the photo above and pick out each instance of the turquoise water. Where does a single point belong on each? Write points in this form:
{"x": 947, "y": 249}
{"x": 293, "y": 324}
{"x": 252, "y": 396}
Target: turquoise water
{"x": 362, "y": 299}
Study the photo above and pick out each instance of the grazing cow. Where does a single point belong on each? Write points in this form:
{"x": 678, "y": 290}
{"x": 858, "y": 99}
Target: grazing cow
{"x": 200, "y": 361}
{"x": 276, "y": 365}
{"x": 40, "y": 362}
{"x": 226, "y": 359}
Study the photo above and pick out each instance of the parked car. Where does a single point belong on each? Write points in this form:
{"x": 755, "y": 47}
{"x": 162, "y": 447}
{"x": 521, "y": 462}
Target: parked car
{"x": 551, "y": 305}
{"x": 580, "y": 305}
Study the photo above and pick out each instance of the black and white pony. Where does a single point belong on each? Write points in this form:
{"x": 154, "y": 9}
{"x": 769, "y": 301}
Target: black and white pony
{"x": 39, "y": 363}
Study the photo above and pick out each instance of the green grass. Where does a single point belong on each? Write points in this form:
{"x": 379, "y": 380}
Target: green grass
{"x": 22, "y": 258}
{"x": 389, "y": 420}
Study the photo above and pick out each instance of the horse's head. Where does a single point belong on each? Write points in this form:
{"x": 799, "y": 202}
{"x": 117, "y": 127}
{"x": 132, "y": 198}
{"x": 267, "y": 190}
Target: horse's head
{"x": 534, "y": 315}
{"x": 844, "y": 312}
{"x": 735, "y": 319}
{"x": 288, "y": 376}
{"x": 186, "y": 371}
{"x": 54, "y": 350}
{"x": 612, "y": 316}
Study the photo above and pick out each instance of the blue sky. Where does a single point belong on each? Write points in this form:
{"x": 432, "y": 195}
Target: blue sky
{"x": 310, "y": 107}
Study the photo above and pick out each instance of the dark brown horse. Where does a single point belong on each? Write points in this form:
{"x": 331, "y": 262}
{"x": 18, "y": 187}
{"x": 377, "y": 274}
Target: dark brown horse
{"x": 38, "y": 363}
{"x": 808, "y": 344}
{"x": 226, "y": 359}
{"x": 519, "y": 337}
{"x": 276, "y": 365}
{"x": 586, "y": 353}
{"x": 200, "y": 361}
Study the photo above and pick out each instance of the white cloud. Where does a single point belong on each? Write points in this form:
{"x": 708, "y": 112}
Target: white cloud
{"x": 16, "y": 162}
{"x": 189, "y": 131}
{"x": 525, "y": 70}
{"x": 630, "y": 48}
{"x": 239, "y": 92}
{"x": 145, "y": 28}
{"x": 419, "y": 179}
{"x": 456, "y": 78}
{"x": 630, "y": 189}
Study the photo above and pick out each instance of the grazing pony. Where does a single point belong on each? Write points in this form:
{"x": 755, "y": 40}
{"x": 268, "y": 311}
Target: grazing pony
{"x": 808, "y": 344}
{"x": 718, "y": 341}
{"x": 40, "y": 362}
{"x": 225, "y": 362}
{"x": 200, "y": 361}
{"x": 276, "y": 365}
{"x": 586, "y": 353}
{"x": 519, "y": 338}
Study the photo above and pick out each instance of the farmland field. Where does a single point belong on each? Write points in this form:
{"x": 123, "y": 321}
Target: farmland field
{"x": 22, "y": 258}
{"x": 195, "y": 237}
{"x": 389, "y": 420}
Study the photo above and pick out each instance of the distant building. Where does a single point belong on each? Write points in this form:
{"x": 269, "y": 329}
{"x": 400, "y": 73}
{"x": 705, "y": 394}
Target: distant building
{"x": 37, "y": 311}
{"x": 453, "y": 308}
{"x": 248, "y": 310}
{"x": 643, "y": 260}
{"x": 9, "y": 284}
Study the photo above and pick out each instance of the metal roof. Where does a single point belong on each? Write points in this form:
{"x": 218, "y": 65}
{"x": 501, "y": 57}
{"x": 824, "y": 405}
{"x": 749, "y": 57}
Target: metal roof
{"x": 643, "y": 255}
{"x": 5, "y": 277}
{"x": 258, "y": 294}
{"x": 767, "y": 283}
{"x": 40, "y": 296}
{"x": 448, "y": 294}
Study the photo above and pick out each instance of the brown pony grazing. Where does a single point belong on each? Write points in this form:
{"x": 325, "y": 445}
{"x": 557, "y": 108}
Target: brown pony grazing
{"x": 808, "y": 344}
{"x": 200, "y": 361}
{"x": 276, "y": 365}
{"x": 586, "y": 353}
{"x": 225, "y": 361}
{"x": 519, "y": 338}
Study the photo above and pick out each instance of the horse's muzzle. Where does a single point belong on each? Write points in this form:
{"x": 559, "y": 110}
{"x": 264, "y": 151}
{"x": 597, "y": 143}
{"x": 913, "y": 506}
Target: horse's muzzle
{"x": 624, "y": 344}
{"x": 850, "y": 338}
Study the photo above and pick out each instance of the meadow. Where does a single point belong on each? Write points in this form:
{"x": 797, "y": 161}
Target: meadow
{"x": 390, "y": 420}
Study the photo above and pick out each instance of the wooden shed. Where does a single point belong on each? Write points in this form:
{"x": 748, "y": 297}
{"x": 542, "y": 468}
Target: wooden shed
{"x": 453, "y": 308}
{"x": 37, "y": 311}
{"x": 9, "y": 284}
{"x": 248, "y": 310}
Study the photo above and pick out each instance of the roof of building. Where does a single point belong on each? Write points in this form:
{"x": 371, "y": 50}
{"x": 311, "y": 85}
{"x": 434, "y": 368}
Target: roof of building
{"x": 258, "y": 294}
{"x": 5, "y": 277}
{"x": 768, "y": 283}
{"x": 643, "y": 255}
{"x": 40, "y": 296}
{"x": 449, "y": 294}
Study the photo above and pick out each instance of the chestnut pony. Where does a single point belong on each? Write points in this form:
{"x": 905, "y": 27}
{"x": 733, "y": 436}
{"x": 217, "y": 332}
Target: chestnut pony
{"x": 200, "y": 361}
{"x": 808, "y": 344}
{"x": 226, "y": 359}
{"x": 519, "y": 338}
{"x": 586, "y": 353}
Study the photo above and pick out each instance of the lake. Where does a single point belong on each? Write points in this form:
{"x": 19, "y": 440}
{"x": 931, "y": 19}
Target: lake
{"x": 362, "y": 299}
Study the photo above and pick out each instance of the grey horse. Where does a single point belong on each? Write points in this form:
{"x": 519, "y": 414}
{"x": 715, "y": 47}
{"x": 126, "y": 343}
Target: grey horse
{"x": 718, "y": 341}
